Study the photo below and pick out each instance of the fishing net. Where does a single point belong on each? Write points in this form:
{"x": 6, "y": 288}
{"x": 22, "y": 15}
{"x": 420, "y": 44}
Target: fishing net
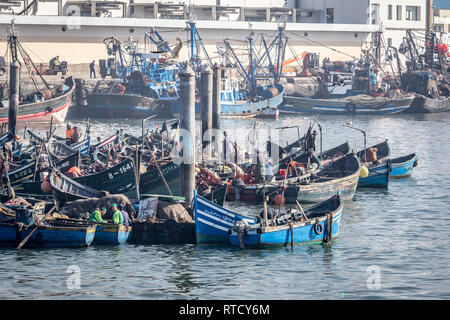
{"x": 82, "y": 208}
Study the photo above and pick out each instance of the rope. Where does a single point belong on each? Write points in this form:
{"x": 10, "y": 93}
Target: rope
{"x": 323, "y": 45}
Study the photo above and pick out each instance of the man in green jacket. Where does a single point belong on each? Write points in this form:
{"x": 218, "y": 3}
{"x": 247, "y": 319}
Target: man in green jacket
{"x": 117, "y": 215}
{"x": 97, "y": 215}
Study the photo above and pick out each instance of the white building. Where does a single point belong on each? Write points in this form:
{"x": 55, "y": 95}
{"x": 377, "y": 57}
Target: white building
{"x": 338, "y": 29}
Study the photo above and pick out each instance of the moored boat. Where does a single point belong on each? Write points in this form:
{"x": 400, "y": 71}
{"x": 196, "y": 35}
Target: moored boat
{"x": 319, "y": 223}
{"x": 111, "y": 234}
{"x": 353, "y": 105}
{"x": 212, "y": 222}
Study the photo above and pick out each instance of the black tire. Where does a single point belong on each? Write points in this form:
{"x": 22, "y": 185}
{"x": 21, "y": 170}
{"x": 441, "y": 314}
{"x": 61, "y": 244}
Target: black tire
{"x": 318, "y": 229}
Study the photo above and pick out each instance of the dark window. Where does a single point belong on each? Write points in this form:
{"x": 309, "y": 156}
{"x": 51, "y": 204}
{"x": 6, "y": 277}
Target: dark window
{"x": 389, "y": 42}
{"x": 330, "y": 15}
{"x": 390, "y": 12}
{"x": 412, "y": 13}
{"x": 399, "y": 12}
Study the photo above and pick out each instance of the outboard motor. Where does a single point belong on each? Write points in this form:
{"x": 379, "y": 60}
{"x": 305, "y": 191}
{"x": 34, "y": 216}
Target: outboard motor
{"x": 241, "y": 230}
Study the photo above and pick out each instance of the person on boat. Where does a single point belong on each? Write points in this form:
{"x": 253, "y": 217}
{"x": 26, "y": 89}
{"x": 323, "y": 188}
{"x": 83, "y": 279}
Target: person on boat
{"x": 125, "y": 215}
{"x": 69, "y": 133}
{"x": 117, "y": 214}
{"x": 75, "y": 136}
{"x": 268, "y": 171}
{"x": 97, "y": 215}
{"x": 92, "y": 69}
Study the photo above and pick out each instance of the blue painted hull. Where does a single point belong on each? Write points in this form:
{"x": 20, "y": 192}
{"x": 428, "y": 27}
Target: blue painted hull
{"x": 212, "y": 222}
{"x": 59, "y": 236}
{"x": 83, "y": 146}
{"x": 8, "y": 234}
{"x": 281, "y": 235}
{"x": 378, "y": 177}
{"x": 340, "y": 107}
{"x": 111, "y": 234}
{"x": 240, "y": 109}
{"x": 402, "y": 167}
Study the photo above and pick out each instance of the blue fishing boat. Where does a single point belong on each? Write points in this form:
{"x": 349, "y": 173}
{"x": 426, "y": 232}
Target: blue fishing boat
{"x": 8, "y": 233}
{"x": 378, "y": 177}
{"x": 402, "y": 167}
{"x": 318, "y": 224}
{"x": 56, "y": 235}
{"x": 111, "y": 234}
{"x": 212, "y": 222}
{"x": 352, "y": 105}
{"x": 236, "y": 103}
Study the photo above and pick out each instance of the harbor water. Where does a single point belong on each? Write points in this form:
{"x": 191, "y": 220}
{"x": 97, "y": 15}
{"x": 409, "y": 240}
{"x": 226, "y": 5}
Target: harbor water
{"x": 393, "y": 244}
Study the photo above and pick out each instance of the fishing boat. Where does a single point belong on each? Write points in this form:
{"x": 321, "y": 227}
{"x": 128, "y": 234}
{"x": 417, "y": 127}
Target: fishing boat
{"x": 402, "y": 167}
{"x": 212, "y": 222}
{"x": 9, "y": 232}
{"x": 151, "y": 182}
{"x": 65, "y": 189}
{"x": 118, "y": 179}
{"x": 105, "y": 233}
{"x": 111, "y": 234}
{"x": 59, "y": 150}
{"x": 318, "y": 224}
{"x": 352, "y": 105}
{"x": 55, "y": 235}
{"x": 327, "y": 179}
{"x": 378, "y": 177}
{"x": 42, "y": 111}
{"x": 21, "y": 174}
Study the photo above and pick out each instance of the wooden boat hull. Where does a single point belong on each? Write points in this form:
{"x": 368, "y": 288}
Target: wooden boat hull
{"x": 59, "y": 236}
{"x": 422, "y": 104}
{"x": 378, "y": 177}
{"x": 120, "y": 179}
{"x": 402, "y": 167}
{"x": 121, "y": 106}
{"x": 111, "y": 234}
{"x": 152, "y": 183}
{"x": 20, "y": 175}
{"x": 242, "y": 110}
{"x": 319, "y": 190}
{"x": 8, "y": 233}
{"x": 341, "y": 107}
{"x": 212, "y": 222}
{"x": 303, "y": 232}
{"x": 44, "y": 111}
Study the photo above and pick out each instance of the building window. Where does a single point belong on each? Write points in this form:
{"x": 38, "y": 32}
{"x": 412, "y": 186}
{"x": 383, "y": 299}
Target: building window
{"x": 389, "y": 42}
{"x": 399, "y": 12}
{"x": 439, "y": 29}
{"x": 330, "y": 15}
{"x": 375, "y": 13}
{"x": 389, "y": 12}
{"x": 412, "y": 13}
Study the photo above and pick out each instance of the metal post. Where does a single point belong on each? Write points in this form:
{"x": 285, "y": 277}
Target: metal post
{"x": 187, "y": 124}
{"x": 14, "y": 79}
{"x": 217, "y": 87}
{"x": 206, "y": 104}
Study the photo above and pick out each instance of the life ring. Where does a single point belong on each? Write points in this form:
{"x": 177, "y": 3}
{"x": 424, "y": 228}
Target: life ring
{"x": 351, "y": 107}
{"x": 318, "y": 229}
{"x": 26, "y": 60}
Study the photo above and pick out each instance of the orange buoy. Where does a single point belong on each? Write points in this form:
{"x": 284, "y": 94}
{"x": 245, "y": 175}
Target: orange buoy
{"x": 46, "y": 186}
{"x": 279, "y": 199}
{"x": 75, "y": 169}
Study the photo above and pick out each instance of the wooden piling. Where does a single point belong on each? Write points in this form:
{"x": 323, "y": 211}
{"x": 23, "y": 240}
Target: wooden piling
{"x": 13, "y": 95}
{"x": 187, "y": 125}
{"x": 206, "y": 96}
{"x": 216, "y": 92}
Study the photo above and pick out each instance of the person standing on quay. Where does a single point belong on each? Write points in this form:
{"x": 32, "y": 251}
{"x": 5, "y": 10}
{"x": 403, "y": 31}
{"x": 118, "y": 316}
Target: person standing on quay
{"x": 92, "y": 68}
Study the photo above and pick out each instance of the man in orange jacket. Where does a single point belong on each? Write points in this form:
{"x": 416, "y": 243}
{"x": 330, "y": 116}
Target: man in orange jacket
{"x": 69, "y": 134}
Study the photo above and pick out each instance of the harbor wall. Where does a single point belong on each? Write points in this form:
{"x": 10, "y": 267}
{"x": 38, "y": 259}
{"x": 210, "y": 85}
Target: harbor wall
{"x": 46, "y": 37}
